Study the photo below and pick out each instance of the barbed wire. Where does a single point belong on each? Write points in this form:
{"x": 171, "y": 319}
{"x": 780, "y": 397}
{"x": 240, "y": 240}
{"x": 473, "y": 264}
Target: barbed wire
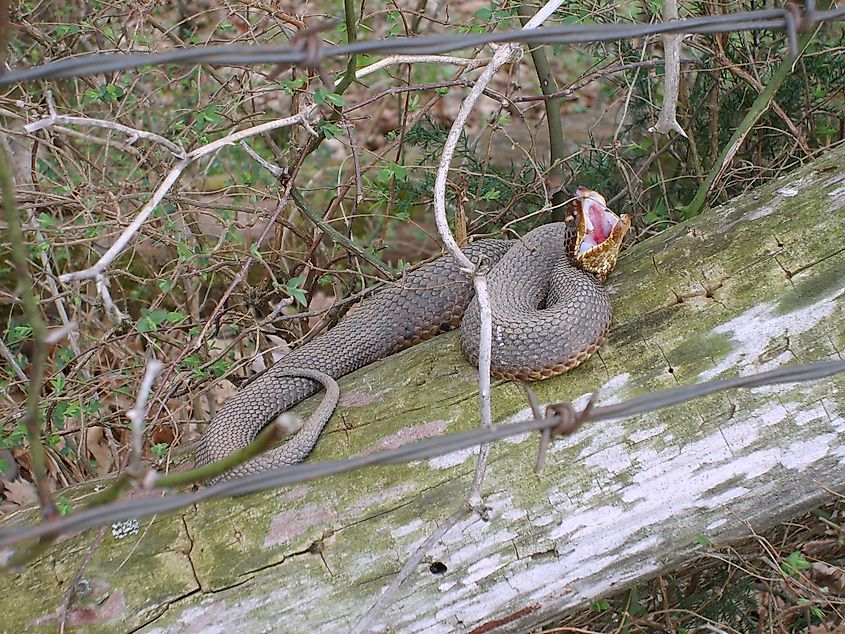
{"x": 788, "y": 19}
{"x": 429, "y": 448}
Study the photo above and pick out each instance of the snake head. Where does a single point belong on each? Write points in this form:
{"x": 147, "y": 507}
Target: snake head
{"x": 599, "y": 233}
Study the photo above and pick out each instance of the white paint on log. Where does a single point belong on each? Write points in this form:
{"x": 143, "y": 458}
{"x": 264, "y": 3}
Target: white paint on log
{"x": 755, "y": 328}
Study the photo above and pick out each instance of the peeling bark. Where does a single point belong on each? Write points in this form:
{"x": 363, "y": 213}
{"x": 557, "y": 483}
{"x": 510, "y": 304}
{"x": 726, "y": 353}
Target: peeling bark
{"x": 746, "y": 287}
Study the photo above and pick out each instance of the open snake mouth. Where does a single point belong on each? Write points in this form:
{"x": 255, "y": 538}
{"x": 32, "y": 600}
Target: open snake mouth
{"x": 596, "y": 221}
{"x": 600, "y": 233}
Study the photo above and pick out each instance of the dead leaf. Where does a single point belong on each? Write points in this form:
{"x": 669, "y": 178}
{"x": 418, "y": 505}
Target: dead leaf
{"x": 319, "y": 301}
{"x": 280, "y": 349}
{"x": 829, "y": 576}
{"x": 100, "y": 449}
{"x": 21, "y": 492}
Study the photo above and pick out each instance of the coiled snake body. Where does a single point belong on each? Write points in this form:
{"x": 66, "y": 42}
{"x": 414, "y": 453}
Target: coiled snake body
{"x": 550, "y": 312}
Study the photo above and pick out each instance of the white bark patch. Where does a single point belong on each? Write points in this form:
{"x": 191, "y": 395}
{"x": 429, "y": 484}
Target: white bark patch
{"x": 288, "y": 524}
{"x": 212, "y": 617}
{"x": 752, "y": 331}
{"x": 452, "y": 459}
{"x": 839, "y": 192}
{"x": 405, "y": 436}
{"x": 593, "y": 546}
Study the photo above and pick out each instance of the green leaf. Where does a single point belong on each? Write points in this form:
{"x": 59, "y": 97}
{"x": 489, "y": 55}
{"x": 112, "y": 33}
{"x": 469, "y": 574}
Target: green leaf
{"x": 290, "y": 85}
{"x": 391, "y": 171}
{"x": 111, "y": 92}
{"x": 600, "y": 606}
{"x": 794, "y": 563}
{"x": 45, "y": 220}
{"x": 64, "y": 506}
{"x": 160, "y": 449}
{"x": 18, "y": 333}
{"x": 703, "y": 540}
{"x": 484, "y": 13}
{"x": 183, "y": 251}
{"x": 329, "y": 129}
{"x": 58, "y": 384}
{"x": 323, "y": 95}
{"x": 175, "y": 316}
{"x": 145, "y": 324}
{"x": 207, "y": 116}
{"x": 294, "y": 290}
{"x": 221, "y": 366}
{"x": 335, "y": 99}
{"x": 151, "y": 320}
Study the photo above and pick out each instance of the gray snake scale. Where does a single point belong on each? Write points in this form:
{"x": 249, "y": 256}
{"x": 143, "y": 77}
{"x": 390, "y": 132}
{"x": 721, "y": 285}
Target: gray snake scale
{"x": 548, "y": 316}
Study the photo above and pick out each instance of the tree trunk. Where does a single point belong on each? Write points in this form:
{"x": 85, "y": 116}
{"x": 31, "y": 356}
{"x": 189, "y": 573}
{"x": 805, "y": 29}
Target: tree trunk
{"x": 750, "y": 286}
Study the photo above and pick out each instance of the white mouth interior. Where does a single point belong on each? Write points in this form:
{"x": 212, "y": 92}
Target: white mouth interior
{"x": 599, "y": 222}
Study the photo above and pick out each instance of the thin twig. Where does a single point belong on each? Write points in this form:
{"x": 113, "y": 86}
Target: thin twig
{"x": 339, "y": 238}
{"x": 408, "y": 568}
{"x": 103, "y": 289}
{"x": 50, "y": 277}
{"x": 10, "y": 359}
{"x": 473, "y": 500}
{"x": 557, "y": 150}
{"x": 137, "y": 414}
{"x": 133, "y": 133}
{"x": 74, "y": 585}
{"x": 468, "y": 63}
{"x": 758, "y": 108}
{"x": 39, "y": 335}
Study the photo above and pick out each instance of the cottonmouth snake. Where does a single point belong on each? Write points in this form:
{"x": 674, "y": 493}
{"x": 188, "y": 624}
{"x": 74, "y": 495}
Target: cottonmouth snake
{"x": 550, "y": 312}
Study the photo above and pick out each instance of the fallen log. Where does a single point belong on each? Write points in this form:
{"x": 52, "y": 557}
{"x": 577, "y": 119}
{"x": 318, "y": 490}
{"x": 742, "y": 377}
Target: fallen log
{"x": 750, "y": 286}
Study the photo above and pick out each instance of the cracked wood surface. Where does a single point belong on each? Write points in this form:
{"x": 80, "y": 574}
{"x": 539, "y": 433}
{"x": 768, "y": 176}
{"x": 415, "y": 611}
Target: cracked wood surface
{"x": 746, "y": 287}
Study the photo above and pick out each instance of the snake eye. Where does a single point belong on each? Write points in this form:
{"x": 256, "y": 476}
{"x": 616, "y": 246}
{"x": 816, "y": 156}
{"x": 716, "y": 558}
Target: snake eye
{"x": 600, "y": 233}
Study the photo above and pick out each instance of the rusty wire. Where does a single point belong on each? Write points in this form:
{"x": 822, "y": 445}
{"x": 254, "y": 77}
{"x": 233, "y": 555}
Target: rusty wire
{"x": 787, "y": 19}
{"x": 429, "y": 448}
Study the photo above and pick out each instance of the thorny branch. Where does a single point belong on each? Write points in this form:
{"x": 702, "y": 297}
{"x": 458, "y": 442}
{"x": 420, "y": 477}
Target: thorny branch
{"x": 31, "y": 417}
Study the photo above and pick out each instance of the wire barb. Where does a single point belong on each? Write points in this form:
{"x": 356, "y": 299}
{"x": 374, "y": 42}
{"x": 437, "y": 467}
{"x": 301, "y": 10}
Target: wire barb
{"x": 235, "y": 55}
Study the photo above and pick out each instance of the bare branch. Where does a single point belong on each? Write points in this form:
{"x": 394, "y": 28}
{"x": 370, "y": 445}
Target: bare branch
{"x": 467, "y": 63}
{"x": 667, "y": 121}
{"x": 164, "y": 187}
{"x": 10, "y": 359}
{"x": 133, "y": 133}
{"x": 479, "y": 272}
{"x": 136, "y": 416}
